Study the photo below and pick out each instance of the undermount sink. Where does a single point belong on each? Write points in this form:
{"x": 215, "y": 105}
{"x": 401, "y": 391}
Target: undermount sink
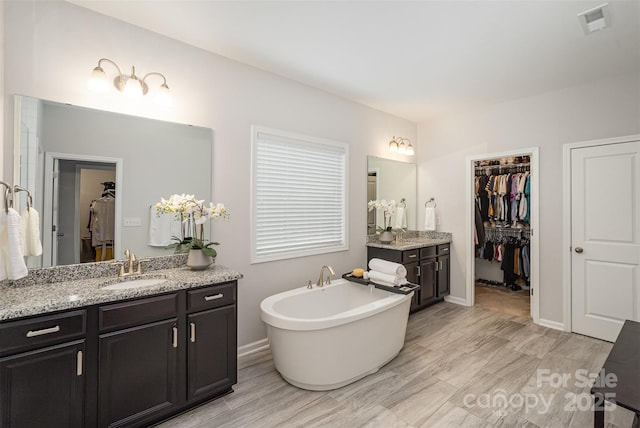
{"x": 135, "y": 283}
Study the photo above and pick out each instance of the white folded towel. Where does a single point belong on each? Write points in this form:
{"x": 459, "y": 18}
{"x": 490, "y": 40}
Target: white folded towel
{"x": 161, "y": 228}
{"x": 430, "y": 218}
{"x": 11, "y": 246}
{"x": 385, "y": 266}
{"x": 386, "y": 279}
{"x": 31, "y": 244}
{"x": 401, "y": 218}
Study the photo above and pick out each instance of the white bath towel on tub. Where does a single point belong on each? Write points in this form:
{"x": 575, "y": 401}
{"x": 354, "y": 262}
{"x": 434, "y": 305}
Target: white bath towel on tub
{"x": 386, "y": 279}
{"x": 387, "y": 267}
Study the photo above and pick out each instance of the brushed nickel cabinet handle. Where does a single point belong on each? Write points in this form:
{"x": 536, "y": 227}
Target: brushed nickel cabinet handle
{"x": 79, "y": 364}
{"x": 49, "y": 330}
{"x": 193, "y": 332}
{"x": 418, "y": 272}
{"x": 413, "y": 256}
{"x": 175, "y": 337}
{"x": 214, "y": 297}
{"x": 436, "y": 266}
{"x": 440, "y": 264}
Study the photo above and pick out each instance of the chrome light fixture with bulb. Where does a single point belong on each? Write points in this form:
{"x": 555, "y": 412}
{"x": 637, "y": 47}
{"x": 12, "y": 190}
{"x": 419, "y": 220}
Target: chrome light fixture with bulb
{"x": 129, "y": 85}
{"x": 397, "y": 145}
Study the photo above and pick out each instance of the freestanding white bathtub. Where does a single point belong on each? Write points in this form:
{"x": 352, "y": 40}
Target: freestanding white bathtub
{"x": 325, "y": 338}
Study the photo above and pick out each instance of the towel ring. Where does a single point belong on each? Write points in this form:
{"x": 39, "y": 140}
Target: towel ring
{"x": 426, "y": 204}
{"x": 7, "y": 192}
{"x": 17, "y": 189}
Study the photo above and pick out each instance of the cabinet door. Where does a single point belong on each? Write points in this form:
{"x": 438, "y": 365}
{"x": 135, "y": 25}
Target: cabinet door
{"x": 137, "y": 372}
{"x": 427, "y": 280}
{"x": 212, "y": 352}
{"x": 443, "y": 275}
{"x": 43, "y": 388}
{"x": 412, "y": 277}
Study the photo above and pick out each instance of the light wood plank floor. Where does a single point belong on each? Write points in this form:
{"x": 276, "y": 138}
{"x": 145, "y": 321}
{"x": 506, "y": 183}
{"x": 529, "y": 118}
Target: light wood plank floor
{"x": 456, "y": 364}
{"x": 502, "y": 299}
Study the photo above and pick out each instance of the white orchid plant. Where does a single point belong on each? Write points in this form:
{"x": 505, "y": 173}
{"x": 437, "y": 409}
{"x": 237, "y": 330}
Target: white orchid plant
{"x": 193, "y": 214}
{"x": 388, "y": 208}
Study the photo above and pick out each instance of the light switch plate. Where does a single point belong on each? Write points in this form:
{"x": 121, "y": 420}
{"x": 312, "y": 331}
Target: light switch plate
{"x": 132, "y": 222}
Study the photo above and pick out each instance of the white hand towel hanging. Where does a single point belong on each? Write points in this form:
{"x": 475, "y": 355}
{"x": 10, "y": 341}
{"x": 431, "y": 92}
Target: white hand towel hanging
{"x": 385, "y": 266}
{"x": 11, "y": 255}
{"x": 162, "y": 228}
{"x": 430, "y": 218}
{"x": 31, "y": 232}
{"x": 401, "y": 218}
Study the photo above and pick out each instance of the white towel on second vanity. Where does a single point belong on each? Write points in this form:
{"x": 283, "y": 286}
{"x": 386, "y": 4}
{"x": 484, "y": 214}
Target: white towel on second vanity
{"x": 11, "y": 257}
{"x": 385, "y": 266}
{"x": 401, "y": 218}
{"x": 430, "y": 218}
{"x": 386, "y": 279}
{"x": 31, "y": 244}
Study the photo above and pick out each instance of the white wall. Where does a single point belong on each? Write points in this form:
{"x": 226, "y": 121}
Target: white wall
{"x": 2, "y": 97}
{"x": 602, "y": 109}
{"x": 55, "y": 45}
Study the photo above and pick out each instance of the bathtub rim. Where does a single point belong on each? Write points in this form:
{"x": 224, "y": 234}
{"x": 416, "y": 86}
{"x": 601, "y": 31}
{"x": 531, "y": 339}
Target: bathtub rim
{"x": 274, "y": 319}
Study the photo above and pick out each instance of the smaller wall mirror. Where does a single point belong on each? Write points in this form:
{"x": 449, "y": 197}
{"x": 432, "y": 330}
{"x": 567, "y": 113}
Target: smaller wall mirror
{"x": 391, "y": 180}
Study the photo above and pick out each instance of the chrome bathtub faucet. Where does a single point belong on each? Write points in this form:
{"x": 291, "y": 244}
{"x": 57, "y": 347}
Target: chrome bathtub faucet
{"x": 321, "y": 278}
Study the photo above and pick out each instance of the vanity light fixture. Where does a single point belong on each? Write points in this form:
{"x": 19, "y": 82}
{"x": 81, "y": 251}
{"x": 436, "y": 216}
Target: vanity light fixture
{"x": 129, "y": 85}
{"x": 397, "y": 145}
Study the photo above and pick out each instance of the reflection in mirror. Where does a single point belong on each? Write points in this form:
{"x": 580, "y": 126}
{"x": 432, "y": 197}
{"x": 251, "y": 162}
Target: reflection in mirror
{"x": 391, "y": 180}
{"x": 65, "y": 155}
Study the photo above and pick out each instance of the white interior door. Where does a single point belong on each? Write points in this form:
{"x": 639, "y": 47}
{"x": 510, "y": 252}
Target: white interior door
{"x": 605, "y": 241}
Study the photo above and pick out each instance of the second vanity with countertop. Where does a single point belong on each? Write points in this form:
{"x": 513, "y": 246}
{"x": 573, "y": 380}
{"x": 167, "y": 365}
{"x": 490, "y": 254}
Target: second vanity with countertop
{"x": 426, "y": 256}
{"x": 74, "y": 353}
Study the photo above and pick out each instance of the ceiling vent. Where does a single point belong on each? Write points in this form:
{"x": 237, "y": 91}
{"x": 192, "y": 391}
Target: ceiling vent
{"x": 595, "y": 19}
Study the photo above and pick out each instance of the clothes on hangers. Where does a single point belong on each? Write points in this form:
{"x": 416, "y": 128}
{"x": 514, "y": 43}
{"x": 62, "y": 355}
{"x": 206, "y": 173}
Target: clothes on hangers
{"x": 503, "y": 198}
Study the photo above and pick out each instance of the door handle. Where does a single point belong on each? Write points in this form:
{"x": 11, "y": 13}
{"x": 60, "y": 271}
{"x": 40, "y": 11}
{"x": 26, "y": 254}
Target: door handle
{"x": 175, "y": 337}
{"x": 579, "y": 250}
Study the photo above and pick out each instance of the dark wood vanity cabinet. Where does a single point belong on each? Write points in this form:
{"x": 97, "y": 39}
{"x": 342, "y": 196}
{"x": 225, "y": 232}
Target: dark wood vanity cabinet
{"x": 212, "y": 340}
{"x": 42, "y": 371}
{"x": 129, "y": 364}
{"x": 428, "y": 267}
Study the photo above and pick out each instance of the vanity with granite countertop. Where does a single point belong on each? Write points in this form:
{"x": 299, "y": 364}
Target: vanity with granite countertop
{"x": 426, "y": 255}
{"x": 80, "y": 346}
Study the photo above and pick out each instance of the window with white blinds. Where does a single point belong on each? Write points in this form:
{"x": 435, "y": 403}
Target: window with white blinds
{"x": 299, "y": 191}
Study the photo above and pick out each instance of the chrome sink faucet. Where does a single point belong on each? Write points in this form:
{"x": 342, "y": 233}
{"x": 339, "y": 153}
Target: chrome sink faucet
{"x": 321, "y": 279}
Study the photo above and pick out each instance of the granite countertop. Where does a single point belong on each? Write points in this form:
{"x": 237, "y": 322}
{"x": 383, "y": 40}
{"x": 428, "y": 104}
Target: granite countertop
{"x": 40, "y": 298}
{"x": 410, "y": 244}
{"x": 412, "y": 240}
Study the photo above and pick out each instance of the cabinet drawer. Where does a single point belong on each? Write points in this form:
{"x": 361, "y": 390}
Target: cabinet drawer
{"x": 41, "y": 331}
{"x": 427, "y": 252}
{"x": 443, "y": 249}
{"x": 211, "y": 297}
{"x": 410, "y": 256}
{"x": 136, "y": 312}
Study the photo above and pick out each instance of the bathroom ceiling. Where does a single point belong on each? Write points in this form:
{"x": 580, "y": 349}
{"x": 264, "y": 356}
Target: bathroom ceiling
{"x": 414, "y": 59}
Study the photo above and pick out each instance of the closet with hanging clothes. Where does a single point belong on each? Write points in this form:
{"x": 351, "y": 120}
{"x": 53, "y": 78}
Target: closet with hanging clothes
{"x": 502, "y": 233}
{"x": 102, "y": 222}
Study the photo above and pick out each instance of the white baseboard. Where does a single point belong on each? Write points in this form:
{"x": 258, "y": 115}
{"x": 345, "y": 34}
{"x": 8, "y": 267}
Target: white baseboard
{"x": 253, "y": 347}
{"x": 456, "y": 300}
{"x": 551, "y": 324}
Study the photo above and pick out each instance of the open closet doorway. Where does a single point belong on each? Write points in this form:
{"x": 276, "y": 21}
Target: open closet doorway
{"x": 75, "y": 188}
{"x": 502, "y": 256}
